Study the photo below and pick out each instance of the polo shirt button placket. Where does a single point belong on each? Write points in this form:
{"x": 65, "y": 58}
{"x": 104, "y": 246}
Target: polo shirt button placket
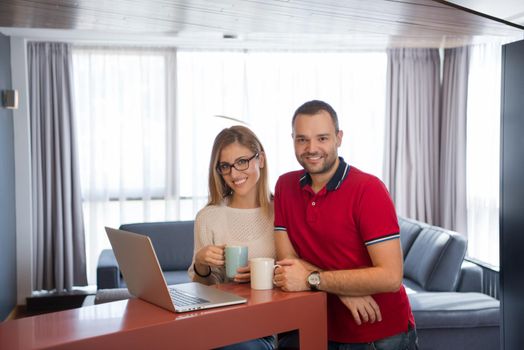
{"x": 312, "y": 210}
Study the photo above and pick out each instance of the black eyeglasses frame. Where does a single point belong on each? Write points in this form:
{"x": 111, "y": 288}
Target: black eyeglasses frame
{"x": 236, "y": 165}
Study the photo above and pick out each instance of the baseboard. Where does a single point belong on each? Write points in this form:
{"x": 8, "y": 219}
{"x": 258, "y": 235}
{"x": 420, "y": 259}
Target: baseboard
{"x": 17, "y": 310}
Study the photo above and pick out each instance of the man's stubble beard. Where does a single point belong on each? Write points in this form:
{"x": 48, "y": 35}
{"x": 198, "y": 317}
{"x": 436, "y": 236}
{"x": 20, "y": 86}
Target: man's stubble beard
{"x": 328, "y": 163}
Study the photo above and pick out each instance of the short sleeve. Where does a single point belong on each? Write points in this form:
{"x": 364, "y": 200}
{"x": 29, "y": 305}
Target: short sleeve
{"x": 378, "y": 219}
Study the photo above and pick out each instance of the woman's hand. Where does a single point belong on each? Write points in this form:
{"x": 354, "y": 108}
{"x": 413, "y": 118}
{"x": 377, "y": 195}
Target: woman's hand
{"x": 210, "y": 255}
{"x": 243, "y": 275}
{"x": 363, "y": 309}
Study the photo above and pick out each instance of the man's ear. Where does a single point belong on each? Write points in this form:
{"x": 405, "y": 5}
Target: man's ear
{"x": 340, "y": 133}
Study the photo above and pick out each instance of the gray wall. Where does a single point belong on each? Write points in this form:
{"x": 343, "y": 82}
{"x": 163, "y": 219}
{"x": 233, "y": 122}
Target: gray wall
{"x": 7, "y": 191}
{"x": 511, "y": 196}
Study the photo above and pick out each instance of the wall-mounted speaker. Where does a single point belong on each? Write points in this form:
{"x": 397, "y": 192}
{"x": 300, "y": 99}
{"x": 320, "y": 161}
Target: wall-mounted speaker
{"x": 10, "y": 99}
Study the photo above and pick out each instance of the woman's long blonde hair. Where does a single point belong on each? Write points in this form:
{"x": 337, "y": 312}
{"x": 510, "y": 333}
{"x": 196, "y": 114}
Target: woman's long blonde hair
{"x": 218, "y": 189}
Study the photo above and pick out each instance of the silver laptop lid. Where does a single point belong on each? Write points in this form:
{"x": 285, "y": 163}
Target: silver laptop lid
{"x": 139, "y": 265}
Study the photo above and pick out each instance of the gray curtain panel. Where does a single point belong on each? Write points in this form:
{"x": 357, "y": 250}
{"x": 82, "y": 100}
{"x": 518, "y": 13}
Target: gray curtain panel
{"x": 412, "y": 132}
{"x": 453, "y": 202}
{"x": 58, "y": 230}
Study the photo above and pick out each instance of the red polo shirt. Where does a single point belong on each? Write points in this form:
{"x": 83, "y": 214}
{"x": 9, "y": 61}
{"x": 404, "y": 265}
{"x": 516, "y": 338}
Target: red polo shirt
{"x": 331, "y": 229}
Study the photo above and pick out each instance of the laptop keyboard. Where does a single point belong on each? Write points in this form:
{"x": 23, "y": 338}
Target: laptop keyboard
{"x": 183, "y": 299}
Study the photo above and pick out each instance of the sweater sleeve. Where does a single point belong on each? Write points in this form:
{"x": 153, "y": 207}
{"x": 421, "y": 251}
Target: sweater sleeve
{"x": 203, "y": 237}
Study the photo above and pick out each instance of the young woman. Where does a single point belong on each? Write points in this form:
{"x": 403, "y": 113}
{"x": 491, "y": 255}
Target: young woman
{"x": 239, "y": 212}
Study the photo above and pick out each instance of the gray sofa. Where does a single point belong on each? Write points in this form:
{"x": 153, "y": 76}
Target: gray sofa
{"x": 444, "y": 290}
{"x": 173, "y": 243}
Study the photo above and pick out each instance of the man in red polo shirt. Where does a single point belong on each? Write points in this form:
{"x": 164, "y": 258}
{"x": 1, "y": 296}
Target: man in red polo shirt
{"x": 336, "y": 230}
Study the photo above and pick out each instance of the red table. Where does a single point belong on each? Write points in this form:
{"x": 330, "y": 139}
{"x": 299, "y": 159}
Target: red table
{"x": 135, "y": 324}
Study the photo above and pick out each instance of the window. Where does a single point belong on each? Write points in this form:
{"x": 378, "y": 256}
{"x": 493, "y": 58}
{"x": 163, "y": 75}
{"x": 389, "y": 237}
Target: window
{"x": 148, "y": 118}
{"x": 483, "y": 152}
{"x": 263, "y": 89}
{"x": 122, "y": 104}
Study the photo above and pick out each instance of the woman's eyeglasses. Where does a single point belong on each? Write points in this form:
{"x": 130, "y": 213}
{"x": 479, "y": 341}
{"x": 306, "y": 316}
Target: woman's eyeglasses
{"x": 241, "y": 164}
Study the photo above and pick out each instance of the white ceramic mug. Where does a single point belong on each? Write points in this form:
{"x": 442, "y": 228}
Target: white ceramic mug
{"x": 262, "y": 272}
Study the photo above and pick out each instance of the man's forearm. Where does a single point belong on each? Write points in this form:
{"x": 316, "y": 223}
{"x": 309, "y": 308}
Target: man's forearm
{"x": 384, "y": 276}
{"x": 359, "y": 282}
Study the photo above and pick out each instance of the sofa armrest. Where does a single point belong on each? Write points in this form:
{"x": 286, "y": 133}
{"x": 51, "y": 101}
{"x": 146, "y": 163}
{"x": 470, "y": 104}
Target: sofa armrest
{"x": 109, "y": 295}
{"x": 470, "y": 277}
{"x": 107, "y": 270}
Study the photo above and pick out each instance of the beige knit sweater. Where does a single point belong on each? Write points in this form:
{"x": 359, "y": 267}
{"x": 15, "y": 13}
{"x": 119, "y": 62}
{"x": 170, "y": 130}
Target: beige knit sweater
{"x": 220, "y": 224}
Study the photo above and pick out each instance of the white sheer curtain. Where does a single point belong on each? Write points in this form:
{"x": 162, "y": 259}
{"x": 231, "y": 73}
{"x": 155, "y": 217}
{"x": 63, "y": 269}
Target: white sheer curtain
{"x": 483, "y": 152}
{"x": 124, "y": 103}
{"x": 141, "y": 161}
{"x": 263, "y": 89}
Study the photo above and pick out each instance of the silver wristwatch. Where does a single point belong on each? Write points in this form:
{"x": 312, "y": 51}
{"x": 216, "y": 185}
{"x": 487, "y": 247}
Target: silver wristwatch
{"x": 314, "y": 280}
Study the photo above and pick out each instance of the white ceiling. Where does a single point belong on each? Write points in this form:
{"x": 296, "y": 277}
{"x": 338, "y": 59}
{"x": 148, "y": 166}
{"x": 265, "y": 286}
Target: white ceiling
{"x": 278, "y": 24}
{"x": 509, "y": 10}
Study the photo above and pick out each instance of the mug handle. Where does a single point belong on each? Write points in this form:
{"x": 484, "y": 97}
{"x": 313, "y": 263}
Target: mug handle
{"x": 274, "y": 267}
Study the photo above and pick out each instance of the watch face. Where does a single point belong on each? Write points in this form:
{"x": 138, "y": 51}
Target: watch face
{"x": 314, "y": 280}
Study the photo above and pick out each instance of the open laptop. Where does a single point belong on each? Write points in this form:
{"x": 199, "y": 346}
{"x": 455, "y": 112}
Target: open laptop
{"x": 139, "y": 265}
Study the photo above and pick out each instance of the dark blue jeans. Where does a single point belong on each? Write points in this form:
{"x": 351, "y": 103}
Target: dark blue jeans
{"x": 265, "y": 343}
{"x": 402, "y": 341}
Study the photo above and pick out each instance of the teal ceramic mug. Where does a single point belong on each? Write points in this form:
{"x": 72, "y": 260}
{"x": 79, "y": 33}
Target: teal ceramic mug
{"x": 236, "y": 256}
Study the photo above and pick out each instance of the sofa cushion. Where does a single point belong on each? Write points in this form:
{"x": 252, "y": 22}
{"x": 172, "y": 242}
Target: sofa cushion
{"x": 176, "y": 277}
{"x": 434, "y": 259}
{"x": 454, "y": 310}
{"x": 409, "y": 230}
{"x": 412, "y": 287}
{"x": 452, "y": 320}
{"x": 173, "y": 242}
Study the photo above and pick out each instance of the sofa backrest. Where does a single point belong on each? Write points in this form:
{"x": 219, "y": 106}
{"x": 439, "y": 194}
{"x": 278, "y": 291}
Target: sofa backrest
{"x": 433, "y": 262}
{"x": 172, "y": 240}
{"x": 409, "y": 230}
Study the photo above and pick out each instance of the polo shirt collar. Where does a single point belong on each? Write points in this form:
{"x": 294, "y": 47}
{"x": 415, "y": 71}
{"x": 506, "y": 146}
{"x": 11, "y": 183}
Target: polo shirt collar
{"x": 334, "y": 183}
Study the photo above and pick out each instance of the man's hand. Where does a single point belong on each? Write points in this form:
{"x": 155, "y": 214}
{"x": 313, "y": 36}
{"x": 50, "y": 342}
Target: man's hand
{"x": 363, "y": 309}
{"x": 292, "y": 274}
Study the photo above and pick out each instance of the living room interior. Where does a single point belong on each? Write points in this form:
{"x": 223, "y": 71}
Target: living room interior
{"x": 232, "y": 47}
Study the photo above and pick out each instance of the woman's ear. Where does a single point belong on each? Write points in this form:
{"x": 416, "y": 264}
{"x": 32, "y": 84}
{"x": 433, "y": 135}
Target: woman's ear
{"x": 261, "y": 160}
